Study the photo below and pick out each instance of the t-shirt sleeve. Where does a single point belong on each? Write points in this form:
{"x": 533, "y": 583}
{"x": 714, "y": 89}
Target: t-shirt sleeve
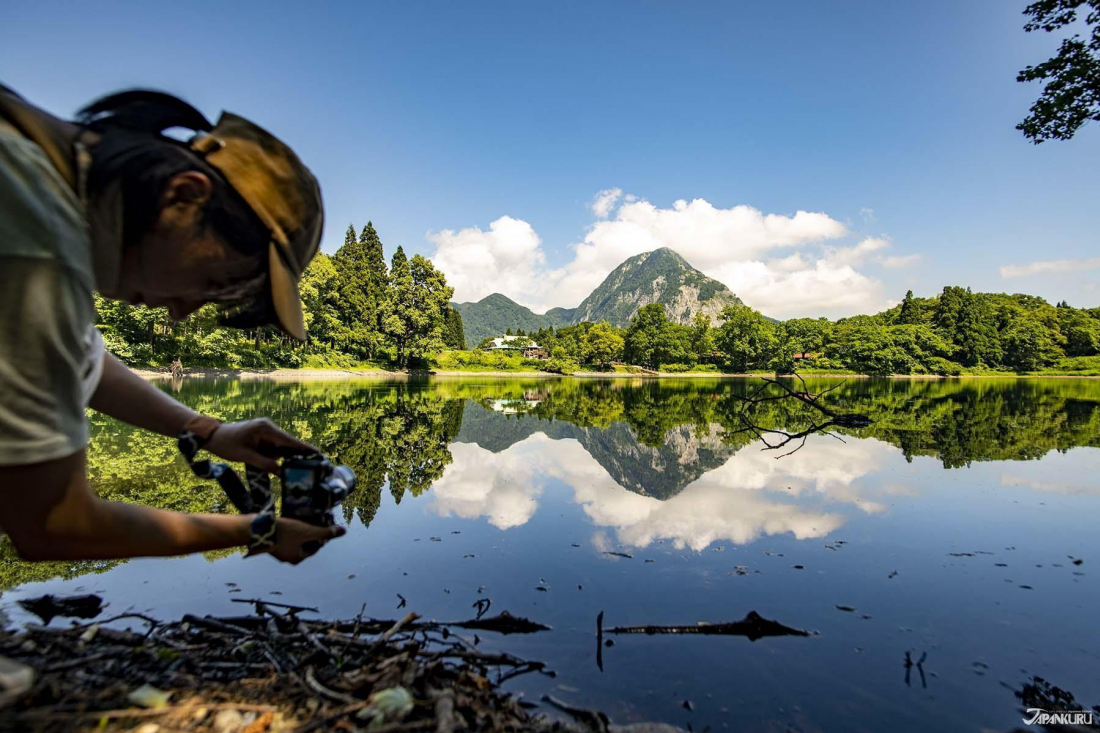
{"x": 50, "y": 360}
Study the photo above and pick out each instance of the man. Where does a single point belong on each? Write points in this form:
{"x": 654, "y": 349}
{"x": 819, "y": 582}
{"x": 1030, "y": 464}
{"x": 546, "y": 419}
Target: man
{"x": 108, "y": 203}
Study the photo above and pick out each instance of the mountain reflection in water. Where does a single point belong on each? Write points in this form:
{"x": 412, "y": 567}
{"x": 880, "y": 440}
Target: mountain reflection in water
{"x": 958, "y": 527}
{"x": 649, "y": 460}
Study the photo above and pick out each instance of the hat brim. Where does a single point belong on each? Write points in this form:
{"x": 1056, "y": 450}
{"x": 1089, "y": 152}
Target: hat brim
{"x": 284, "y": 295}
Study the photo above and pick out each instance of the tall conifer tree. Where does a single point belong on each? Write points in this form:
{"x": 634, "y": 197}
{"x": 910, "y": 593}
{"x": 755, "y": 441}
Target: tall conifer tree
{"x": 359, "y": 301}
{"x": 398, "y": 306}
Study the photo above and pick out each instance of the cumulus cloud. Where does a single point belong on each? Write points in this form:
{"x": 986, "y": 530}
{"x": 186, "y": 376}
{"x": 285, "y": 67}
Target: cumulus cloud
{"x": 1048, "y": 267}
{"x": 507, "y": 258}
{"x": 605, "y": 201}
{"x": 782, "y": 264}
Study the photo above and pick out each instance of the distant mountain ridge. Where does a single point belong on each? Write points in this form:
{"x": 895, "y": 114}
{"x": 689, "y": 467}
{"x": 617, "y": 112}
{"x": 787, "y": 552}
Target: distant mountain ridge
{"x": 494, "y": 314}
{"x": 661, "y": 276}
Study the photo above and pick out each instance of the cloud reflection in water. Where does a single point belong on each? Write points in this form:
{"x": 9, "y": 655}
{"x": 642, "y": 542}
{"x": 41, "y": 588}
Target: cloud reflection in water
{"x": 748, "y": 496}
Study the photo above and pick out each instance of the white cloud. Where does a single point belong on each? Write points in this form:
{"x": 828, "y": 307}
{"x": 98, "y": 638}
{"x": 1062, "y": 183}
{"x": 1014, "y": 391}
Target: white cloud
{"x": 504, "y": 487}
{"x": 867, "y": 213}
{"x": 858, "y": 254}
{"x": 820, "y": 288}
{"x": 507, "y": 258}
{"x": 1052, "y": 487}
{"x": 1049, "y": 267}
{"x": 605, "y": 201}
{"x": 782, "y": 264}
{"x": 897, "y": 262}
{"x": 749, "y": 496}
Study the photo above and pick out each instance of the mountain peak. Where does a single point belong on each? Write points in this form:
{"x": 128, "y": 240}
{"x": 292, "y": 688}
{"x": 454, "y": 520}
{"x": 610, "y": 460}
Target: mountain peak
{"x": 659, "y": 276}
{"x": 500, "y": 298}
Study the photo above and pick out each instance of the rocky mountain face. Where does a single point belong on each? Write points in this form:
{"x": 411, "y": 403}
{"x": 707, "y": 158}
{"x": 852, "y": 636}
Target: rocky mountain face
{"x": 660, "y": 276}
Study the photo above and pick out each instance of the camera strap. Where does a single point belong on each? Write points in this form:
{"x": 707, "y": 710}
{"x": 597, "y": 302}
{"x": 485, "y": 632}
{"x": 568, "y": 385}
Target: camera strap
{"x": 257, "y": 498}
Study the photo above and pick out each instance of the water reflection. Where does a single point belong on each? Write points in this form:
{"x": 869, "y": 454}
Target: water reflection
{"x": 647, "y": 461}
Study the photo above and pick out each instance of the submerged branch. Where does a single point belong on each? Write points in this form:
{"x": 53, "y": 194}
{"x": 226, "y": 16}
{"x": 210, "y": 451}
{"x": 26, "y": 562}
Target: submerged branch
{"x": 753, "y": 627}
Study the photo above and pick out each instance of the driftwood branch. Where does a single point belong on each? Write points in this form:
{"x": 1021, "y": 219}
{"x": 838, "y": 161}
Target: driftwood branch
{"x": 775, "y": 439}
{"x": 752, "y": 627}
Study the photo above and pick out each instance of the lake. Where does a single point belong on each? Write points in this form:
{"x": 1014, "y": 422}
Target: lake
{"x": 959, "y": 527}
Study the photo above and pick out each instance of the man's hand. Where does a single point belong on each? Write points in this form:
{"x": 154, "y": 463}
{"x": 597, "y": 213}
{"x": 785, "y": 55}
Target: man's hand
{"x": 255, "y": 442}
{"x": 295, "y": 540}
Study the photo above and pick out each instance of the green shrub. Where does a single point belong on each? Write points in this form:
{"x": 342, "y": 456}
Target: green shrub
{"x": 943, "y": 367}
{"x": 560, "y": 365}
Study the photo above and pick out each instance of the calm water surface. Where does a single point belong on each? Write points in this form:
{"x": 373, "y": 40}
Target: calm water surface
{"x": 950, "y": 525}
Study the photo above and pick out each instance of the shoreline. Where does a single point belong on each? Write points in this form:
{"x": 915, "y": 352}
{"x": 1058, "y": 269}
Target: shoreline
{"x": 381, "y": 374}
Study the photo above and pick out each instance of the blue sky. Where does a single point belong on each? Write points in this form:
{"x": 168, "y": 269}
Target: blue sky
{"x": 483, "y": 133}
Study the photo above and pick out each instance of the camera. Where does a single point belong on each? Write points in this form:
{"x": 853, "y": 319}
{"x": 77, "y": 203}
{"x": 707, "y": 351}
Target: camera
{"x": 312, "y": 487}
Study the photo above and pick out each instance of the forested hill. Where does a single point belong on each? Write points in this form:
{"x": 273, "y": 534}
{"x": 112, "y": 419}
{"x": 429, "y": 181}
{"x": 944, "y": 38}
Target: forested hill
{"x": 660, "y": 276}
{"x": 496, "y": 314}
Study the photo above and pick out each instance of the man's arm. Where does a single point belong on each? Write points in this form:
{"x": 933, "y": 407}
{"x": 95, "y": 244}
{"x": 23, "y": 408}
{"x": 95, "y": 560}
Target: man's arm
{"x": 127, "y": 397}
{"x": 50, "y": 513}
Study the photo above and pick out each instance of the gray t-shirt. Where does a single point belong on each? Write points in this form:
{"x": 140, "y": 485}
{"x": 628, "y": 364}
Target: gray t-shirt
{"x": 51, "y": 356}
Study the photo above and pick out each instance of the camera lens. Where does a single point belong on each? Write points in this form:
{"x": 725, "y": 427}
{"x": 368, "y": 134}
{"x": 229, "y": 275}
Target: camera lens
{"x": 344, "y": 475}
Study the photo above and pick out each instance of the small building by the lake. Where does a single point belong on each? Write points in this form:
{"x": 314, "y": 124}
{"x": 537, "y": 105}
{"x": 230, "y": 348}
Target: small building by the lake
{"x": 520, "y": 345}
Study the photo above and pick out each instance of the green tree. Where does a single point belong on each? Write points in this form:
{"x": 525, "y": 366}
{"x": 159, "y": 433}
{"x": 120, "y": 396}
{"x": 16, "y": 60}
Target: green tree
{"x": 745, "y": 337}
{"x": 702, "y": 338}
{"x": 976, "y": 334}
{"x": 397, "y": 313}
{"x": 1082, "y": 332}
{"x": 453, "y": 335}
{"x": 945, "y": 315}
{"x": 1071, "y": 95}
{"x": 910, "y": 311}
{"x": 1029, "y": 344}
{"x": 415, "y": 308}
{"x": 648, "y": 341}
{"x": 602, "y": 345}
{"x": 320, "y": 292}
{"x": 807, "y": 335}
{"x": 360, "y": 296}
{"x": 869, "y": 348}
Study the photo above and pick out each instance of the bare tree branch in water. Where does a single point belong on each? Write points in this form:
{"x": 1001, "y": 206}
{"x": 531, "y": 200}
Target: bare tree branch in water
{"x": 775, "y": 439}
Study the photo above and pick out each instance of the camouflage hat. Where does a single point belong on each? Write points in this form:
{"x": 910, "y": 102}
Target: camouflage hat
{"x": 285, "y": 196}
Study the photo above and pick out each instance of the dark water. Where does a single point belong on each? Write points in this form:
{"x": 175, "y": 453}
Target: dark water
{"x": 950, "y": 525}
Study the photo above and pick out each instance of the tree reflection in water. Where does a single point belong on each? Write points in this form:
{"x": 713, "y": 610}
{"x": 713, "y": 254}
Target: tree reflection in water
{"x": 652, "y": 438}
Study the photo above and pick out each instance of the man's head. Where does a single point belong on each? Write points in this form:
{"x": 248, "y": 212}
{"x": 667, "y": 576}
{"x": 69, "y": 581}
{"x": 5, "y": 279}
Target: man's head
{"x": 230, "y": 217}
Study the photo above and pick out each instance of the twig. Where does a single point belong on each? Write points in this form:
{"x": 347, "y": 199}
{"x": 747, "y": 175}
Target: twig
{"x": 386, "y": 636}
{"x": 139, "y": 712}
{"x": 260, "y": 601}
{"x": 313, "y": 684}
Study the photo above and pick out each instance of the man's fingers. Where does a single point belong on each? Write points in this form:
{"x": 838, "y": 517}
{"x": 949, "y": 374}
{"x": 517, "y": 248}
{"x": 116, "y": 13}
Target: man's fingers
{"x": 281, "y": 438}
{"x": 262, "y": 462}
{"x": 327, "y": 533}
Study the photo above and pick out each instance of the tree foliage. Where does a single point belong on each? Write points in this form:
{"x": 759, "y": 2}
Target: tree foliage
{"x": 345, "y": 300}
{"x": 1071, "y": 91}
{"x": 746, "y": 338}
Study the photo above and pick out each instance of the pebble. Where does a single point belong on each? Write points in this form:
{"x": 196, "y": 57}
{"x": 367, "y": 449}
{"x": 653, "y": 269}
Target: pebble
{"x": 228, "y": 721}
